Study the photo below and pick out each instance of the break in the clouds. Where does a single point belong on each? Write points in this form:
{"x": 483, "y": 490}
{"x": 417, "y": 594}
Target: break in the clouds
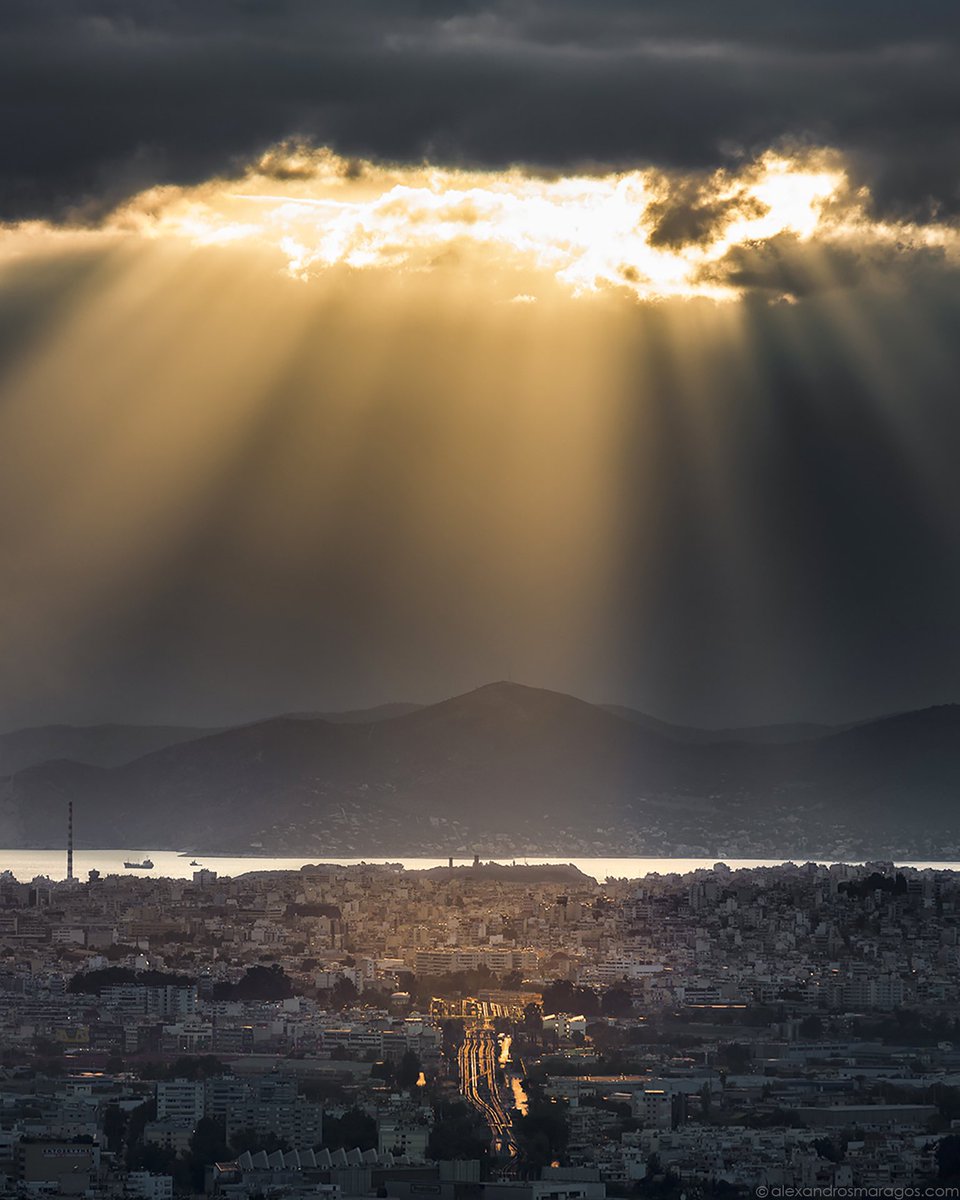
{"x": 779, "y": 226}
{"x": 106, "y": 98}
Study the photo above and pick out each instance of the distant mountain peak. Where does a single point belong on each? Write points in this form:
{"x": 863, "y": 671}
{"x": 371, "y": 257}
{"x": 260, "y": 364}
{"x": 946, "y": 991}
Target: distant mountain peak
{"x": 513, "y": 768}
{"x": 507, "y": 691}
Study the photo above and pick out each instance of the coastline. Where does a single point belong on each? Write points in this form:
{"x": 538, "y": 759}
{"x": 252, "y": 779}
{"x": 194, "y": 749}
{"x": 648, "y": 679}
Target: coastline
{"x": 50, "y": 863}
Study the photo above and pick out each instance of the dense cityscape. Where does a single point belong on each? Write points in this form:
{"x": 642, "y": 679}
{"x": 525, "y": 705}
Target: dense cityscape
{"x": 500, "y": 1031}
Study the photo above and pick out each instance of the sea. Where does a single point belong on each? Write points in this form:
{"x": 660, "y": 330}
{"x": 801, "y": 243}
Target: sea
{"x": 27, "y": 865}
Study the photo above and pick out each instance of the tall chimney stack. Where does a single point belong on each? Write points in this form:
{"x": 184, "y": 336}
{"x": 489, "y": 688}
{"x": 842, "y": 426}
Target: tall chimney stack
{"x": 69, "y": 839}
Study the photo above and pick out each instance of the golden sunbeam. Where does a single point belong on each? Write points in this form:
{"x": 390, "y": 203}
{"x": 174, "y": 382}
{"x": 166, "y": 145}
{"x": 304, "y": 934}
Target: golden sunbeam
{"x": 473, "y": 391}
{"x": 640, "y": 232}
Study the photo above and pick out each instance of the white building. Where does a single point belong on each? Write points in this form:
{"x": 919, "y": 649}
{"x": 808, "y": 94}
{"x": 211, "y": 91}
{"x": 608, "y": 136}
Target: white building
{"x": 564, "y": 1025}
{"x": 180, "y": 1100}
{"x": 654, "y": 1107}
{"x": 147, "y": 1186}
{"x": 405, "y": 1134}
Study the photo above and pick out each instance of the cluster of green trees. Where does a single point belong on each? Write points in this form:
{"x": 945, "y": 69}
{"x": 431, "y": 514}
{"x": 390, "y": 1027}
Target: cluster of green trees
{"x": 192, "y": 1066}
{"x": 342, "y": 995}
{"x": 123, "y": 1134}
{"x": 948, "y": 1159}
{"x": 452, "y": 985}
{"x": 404, "y": 1075}
{"x": 907, "y": 1027}
{"x": 258, "y": 983}
{"x": 562, "y": 996}
{"x": 859, "y": 889}
{"x": 93, "y": 982}
{"x": 354, "y": 1128}
{"x": 458, "y": 1133}
{"x": 542, "y": 1133}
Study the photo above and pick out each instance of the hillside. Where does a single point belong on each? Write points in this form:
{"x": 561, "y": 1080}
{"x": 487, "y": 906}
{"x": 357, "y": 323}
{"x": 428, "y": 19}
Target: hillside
{"x": 754, "y": 734}
{"x": 511, "y": 770}
{"x": 96, "y": 745}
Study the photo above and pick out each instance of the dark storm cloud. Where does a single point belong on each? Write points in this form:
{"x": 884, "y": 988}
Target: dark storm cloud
{"x": 104, "y": 97}
{"x": 688, "y": 212}
{"x": 787, "y": 266}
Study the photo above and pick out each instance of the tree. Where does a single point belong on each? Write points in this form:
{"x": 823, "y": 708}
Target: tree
{"x": 458, "y": 1133}
{"x": 207, "y": 1146}
{"x": 160, "y": 1160}
{"x": 617, "y": 1002}
{"x": 209, "y": 1140}
{"x": 562, "y": 997}
{"x": 409, "y": 1070}
{"x": 343, "y": 993}
{"x": 249, "y": 1139}
{"x": 827, "y": 1149}
{"x": 136, "y": 1123}
{"x": 114, "y": 1127}
{"x": 258, "y": 983}
{"x": 735, "y": 1057}
{"x": 46, "y": 1047}
{"x": 324, "y": 1091}
{"x": 198, "y": 1067}
{"x": 559, "y": 996}
{"x": 533, "y": 1020}
{"x": 354, "y": 1129}
{"x": 543, "y": 1133}
{"x": 948, "y": 1159}
{"x": 93, "y": 982}
{"x": 383, "y": 1070}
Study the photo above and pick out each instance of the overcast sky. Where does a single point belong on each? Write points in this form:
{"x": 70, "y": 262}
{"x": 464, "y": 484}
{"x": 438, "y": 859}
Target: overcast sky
{"x": 721, "y": 519}
{"x": 103, "y": 95}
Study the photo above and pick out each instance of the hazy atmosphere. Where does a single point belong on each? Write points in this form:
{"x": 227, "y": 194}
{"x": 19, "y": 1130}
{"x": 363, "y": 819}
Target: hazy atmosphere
{"x": 479, "y": 592}
{"x": 366, "y": 353}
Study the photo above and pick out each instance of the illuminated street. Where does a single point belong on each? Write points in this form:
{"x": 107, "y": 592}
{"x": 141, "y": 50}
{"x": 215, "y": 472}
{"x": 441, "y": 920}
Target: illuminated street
{"x": 478, "y": 1083}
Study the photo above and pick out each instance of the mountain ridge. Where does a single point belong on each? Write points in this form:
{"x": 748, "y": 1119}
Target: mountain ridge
{"x": 509, "y": 769}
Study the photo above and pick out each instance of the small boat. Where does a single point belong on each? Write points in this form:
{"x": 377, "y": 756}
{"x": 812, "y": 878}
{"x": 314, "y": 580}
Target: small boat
{"x": 194, "y": 863}
{"x": 146, "y": 865}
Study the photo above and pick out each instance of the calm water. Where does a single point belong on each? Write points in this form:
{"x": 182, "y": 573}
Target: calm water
{"x": 27, "y": 864}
